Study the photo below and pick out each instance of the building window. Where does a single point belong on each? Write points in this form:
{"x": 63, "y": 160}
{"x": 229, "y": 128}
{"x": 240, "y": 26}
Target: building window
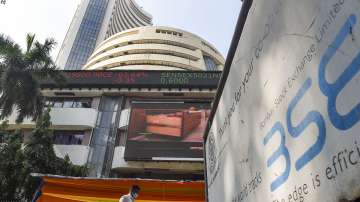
{"x": 55, "y": 104}
{"x": 169, "y": 32}
{"x": 68, "y": 137}
{"x": 2, "y": 138}
{"x": 68, "y": 102}
{"x": 210, "y": 63}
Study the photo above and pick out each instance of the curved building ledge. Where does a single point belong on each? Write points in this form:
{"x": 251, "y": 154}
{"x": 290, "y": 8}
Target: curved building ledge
{"x": 155, "y": 45}
{"x": 62, "y": 119}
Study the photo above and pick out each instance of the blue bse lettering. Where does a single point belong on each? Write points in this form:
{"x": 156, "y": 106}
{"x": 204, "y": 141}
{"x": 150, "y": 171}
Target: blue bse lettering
{"x": 331, "y": 91}
{"x": 296, "y": 131}
{"x": 281, "y": 151}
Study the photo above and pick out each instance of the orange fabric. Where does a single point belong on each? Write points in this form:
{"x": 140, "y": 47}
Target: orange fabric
{"x": 105, "y": 190}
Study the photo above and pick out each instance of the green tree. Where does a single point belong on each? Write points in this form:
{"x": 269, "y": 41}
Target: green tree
{"x": 20, "y": 74}
{"x": 11, "y": 165}
{"x": 38, "y": 156}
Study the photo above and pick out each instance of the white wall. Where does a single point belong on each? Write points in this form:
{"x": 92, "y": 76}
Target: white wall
{"x": 74, "y": 117}
{"x": 78, "y": 154}
{"x": 63, "y": 119}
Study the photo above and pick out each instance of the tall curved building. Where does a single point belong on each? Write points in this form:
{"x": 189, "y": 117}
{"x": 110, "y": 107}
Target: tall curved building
{"x": 155, "y": 48}
{"x": 126, "y": 15}
{"x": 94, "y": 21}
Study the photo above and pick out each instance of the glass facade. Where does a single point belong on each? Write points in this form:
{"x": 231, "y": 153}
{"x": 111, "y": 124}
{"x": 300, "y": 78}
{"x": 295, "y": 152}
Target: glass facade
{"x": 210, "y": 64}
{"x": 86, "y": 37}
{"x": 104, "y": 136}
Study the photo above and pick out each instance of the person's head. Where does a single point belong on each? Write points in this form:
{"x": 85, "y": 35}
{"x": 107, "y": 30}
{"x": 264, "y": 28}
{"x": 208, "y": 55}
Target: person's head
{"x": 134, "y": 191}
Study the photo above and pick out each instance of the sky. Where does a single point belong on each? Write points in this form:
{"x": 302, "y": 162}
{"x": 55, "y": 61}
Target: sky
{"x": 213, "y": 20}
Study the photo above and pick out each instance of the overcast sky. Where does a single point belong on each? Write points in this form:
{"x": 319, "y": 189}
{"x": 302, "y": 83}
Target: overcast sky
{"x": 214, "y": 20}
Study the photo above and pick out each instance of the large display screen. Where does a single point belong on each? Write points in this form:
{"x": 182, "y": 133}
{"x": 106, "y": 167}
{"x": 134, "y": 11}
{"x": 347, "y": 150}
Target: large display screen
{"x": 166, "y": 131}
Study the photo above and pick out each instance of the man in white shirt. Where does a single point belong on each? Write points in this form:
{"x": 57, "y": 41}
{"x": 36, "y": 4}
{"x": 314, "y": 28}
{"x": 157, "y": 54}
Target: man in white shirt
{"x": 132, "y": 195}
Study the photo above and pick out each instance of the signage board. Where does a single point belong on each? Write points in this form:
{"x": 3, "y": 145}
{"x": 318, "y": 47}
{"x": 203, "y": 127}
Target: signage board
{"x": 141, "y": 79}
{"x": 287, "y": 123}
{"x": 166, "y": 131}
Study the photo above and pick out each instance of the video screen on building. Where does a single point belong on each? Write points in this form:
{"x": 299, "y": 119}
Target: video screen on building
{"x": 166, "y": 131}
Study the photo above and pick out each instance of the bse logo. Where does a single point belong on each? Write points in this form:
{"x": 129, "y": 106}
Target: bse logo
{"x": 212, "y": 153}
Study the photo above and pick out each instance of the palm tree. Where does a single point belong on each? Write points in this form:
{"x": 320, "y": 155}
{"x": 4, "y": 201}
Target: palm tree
{"x": 21, "y": 73}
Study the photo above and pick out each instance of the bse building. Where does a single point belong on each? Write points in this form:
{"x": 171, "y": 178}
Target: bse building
{"x": 137, "y": 97}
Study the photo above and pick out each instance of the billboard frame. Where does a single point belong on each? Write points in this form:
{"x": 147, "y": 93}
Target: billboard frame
{"x": 246, "y": 5}
{"x": 170, "y": 101}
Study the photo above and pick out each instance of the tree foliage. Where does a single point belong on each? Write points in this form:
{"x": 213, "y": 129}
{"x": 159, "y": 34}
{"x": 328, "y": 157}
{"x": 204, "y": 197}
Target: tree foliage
{"x": 11, "y": 165}
{"x": 36, "y": 156}
{"x": 20, "y": 74}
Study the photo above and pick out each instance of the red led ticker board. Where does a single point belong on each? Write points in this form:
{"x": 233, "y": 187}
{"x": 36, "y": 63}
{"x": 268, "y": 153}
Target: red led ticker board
{"x": 147, "y": 79}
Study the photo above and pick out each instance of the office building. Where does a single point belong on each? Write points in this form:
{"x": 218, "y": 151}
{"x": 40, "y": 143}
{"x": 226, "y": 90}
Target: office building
{"x": 155, "y": 48}
{"x": 130, "y": 123}
{"x": 94, "y": 21}
{"x": 139, "y": 107}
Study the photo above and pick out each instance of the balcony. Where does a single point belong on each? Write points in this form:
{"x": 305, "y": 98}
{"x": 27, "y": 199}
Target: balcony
{"x": 62, "y": 119}
{"x": 78, "y": 154}
{"x": 120, "y": 164}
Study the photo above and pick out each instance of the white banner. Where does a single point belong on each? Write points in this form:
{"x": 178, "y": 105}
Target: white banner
{"x": 287, "y": 125}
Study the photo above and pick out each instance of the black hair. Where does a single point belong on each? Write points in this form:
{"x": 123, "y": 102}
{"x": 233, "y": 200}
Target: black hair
{"x": 135, "y": 188}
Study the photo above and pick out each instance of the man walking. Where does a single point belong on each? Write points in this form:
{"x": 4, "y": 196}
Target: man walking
{"x": 132, "y": 195}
